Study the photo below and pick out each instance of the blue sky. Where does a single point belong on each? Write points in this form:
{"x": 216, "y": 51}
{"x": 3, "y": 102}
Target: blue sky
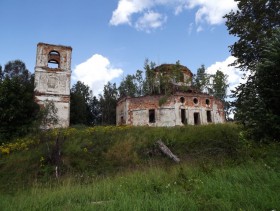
{"x": 112, "y": 38}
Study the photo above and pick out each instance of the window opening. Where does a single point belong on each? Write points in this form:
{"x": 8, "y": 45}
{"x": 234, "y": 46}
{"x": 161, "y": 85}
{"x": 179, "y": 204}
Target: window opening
{"x": 208, "y": 113}
{"x": 53, "y": 64}
{"x": 196, "y": 118}
{"x": 183, "y": 116}
{"x": 54, "y": 59}
{"x": 207, "y": 101}
{"x": 54, "y": 53}
{"x": 182, "y": 99}
{"x": 122, "y": 120}
{"x": 152, "y": 116}
{"x": 195, "y": 100}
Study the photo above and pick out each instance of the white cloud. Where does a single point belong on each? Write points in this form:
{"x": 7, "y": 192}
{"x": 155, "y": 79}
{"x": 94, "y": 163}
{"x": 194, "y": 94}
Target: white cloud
{"x": 96, "y": 72}
{"x": 150, "y": 20}
{"x": 208, "y": 11}
{"x": 234, "y": 74}
{"x": 211, "y": 11}
{"x": 126, "y": 8}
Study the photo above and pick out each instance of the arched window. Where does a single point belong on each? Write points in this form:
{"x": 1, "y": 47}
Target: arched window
{"x": 182, "y": 99}
{"x": 54, "y": 59}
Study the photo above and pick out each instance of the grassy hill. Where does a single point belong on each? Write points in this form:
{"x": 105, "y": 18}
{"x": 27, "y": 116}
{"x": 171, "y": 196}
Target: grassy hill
{"x": 121, "y": 168}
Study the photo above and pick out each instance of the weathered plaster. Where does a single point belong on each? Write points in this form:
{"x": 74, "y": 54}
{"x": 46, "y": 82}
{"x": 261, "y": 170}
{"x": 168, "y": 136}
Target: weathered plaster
{"x": 53, "y": 84}
{"x": 135, "y": 111}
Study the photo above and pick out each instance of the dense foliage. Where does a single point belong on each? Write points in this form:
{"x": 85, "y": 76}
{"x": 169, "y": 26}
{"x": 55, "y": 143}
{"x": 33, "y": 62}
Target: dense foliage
{"x": 108, "y": 104}
{"x": 258, "y": 100}
{"x": 254, "y": 109}
{"x": 158, "y": 81}
{"x": 201, "y": 79}
{"x": 80, "y": 111}
{"x": 87, "y": 109}
{"x": 213, "y": 84}
{"x": 253, "y": 23}
{"x": 268, "y": 75}
{"x": 219, "y": 85}
{"x": 132, "y": 85}
{"x": 18, "y": 111}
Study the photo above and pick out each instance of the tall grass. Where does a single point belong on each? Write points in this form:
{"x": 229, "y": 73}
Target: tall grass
{"x": 246, "y": 187}
{"x": 121, "y": 168}
{"x": 107, "y": 150}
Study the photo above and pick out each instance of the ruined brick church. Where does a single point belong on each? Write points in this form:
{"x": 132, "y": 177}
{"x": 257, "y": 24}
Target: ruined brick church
{"x": 181, "y": 108}
{"x": 52, "y": 84}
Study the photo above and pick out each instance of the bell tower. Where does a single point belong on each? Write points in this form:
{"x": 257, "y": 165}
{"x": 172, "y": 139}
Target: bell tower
{"x": 52, "y": 80}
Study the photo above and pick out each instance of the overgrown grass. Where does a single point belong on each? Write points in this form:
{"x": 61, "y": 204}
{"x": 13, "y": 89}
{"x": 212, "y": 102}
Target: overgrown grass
{"x": 250, "y": 186}
{"x": 121, "y": 168}
{"x": 103, "y": 150}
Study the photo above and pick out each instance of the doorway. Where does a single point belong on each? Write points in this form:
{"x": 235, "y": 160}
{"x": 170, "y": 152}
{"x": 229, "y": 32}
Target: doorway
{"x": 183, "y": 116}
{"x": 196, "y": 117}
{"x": 208, "y": 113}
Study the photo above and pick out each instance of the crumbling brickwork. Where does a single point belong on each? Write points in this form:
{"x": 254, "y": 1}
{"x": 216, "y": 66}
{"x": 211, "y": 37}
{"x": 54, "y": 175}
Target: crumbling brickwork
{"x": 52, "y": 79}
{"x": 179, "y": 109}
{"x": 184, "y": 106}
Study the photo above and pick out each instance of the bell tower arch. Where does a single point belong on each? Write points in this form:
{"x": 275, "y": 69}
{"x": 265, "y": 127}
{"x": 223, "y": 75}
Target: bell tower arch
{"x": 52, "y": 80}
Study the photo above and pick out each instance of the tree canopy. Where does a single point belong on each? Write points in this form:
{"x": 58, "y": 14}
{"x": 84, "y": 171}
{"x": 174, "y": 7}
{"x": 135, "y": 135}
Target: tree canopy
{"x": 201, "y": 80}
{"x": 108, "y": 104}
{"x": 16, "y": 69}
{"x": 18, "y": 111}
{"x": 1, "y": 74}
{"x": 256, "y": 24}
{"x": 268, "y": 84}
{"x": 80, "y": 98}
{"x": 253, "y": 23}
{"x": 219, "y": 85}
